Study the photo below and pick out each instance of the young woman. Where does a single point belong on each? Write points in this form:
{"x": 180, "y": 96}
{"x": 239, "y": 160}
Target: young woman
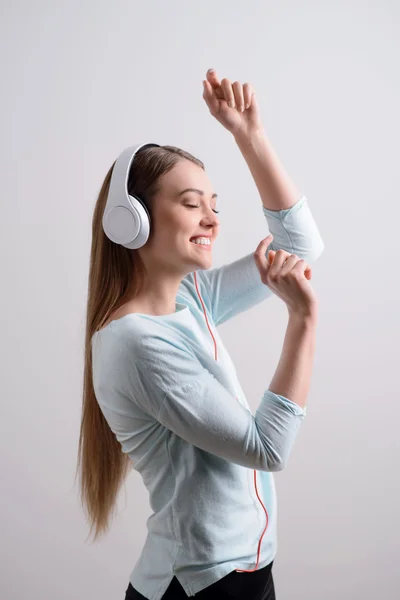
{"x": 161, "y": 393}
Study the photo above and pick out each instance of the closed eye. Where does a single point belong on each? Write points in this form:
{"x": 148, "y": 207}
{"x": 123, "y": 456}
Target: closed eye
{"x": 194, "y": 206}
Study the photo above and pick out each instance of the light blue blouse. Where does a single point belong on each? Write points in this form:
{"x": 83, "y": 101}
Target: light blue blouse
{"x": 170, "y": 393}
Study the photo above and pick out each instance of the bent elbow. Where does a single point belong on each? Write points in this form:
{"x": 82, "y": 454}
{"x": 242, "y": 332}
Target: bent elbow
{"x": 278, "y": 466}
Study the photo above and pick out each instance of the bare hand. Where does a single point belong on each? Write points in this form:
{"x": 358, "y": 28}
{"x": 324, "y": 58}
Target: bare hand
{"x": 286, "y": 275}
{"x": 234, "y": 105}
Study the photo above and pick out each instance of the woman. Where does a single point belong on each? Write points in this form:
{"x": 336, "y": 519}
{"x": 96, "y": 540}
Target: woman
{"x": 161, "y": 393}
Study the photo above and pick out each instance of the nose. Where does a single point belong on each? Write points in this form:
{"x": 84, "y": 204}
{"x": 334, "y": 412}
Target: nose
{"x": 212, "y": 218}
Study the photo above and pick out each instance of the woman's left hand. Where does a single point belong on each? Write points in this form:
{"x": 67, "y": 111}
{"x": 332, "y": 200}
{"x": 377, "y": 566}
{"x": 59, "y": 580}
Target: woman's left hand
{"x": 233, "y": 105}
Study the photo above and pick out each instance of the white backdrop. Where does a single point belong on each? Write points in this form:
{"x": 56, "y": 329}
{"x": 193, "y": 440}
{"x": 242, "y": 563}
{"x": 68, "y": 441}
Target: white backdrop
{"x": 80, "y": 82}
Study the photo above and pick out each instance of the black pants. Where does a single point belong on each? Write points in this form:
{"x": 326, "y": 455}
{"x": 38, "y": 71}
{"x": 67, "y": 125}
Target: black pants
{"x": 258, "y": 585}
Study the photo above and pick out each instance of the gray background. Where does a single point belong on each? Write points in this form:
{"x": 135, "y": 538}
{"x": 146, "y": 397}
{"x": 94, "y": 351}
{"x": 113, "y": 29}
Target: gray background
{"x": 80, "y": 82}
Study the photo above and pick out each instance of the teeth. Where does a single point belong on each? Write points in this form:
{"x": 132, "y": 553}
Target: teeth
{"x": 205, "y": 241}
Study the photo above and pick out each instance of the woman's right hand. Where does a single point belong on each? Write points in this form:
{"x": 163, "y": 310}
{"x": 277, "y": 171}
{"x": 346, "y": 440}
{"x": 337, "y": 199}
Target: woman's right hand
{"x": 286, "y": 275}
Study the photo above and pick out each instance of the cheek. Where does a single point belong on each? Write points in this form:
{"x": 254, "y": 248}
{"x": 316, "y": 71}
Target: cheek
{"x": 176, "y": 229}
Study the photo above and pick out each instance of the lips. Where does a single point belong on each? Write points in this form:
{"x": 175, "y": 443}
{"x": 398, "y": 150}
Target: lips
{"x": 203, "y": 246}
{"x": 207, "y": 245}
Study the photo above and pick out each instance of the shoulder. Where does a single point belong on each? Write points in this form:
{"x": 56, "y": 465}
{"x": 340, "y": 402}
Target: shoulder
{"x": 143, "y": 339}
{"x": 194, "y": 291}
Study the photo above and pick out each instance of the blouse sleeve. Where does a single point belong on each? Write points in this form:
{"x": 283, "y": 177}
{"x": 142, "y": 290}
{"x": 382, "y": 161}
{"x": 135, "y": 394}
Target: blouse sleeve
{"x": 235, "y": 287}
{"x": 169, "y": 383}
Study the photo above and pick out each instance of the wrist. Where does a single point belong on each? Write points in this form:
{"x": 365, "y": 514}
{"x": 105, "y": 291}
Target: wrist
{"x": 246, "y": 138}
{"x": 307, "y": 316}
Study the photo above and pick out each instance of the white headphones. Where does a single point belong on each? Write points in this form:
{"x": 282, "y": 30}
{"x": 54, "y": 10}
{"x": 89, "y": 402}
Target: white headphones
{"x": 126, "y": 220}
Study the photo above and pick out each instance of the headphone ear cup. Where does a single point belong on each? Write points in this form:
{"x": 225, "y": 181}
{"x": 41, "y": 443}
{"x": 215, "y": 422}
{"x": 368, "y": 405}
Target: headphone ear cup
{"x": 128, "y": 226}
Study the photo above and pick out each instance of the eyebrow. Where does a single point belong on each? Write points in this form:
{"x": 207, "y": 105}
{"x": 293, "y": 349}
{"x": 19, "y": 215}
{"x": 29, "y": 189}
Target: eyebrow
{"x": 197, "y": 192}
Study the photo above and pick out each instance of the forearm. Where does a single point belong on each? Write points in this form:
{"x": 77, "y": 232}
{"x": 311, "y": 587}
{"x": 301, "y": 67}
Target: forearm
{"x": 276, "y": 189}
{"x": 293, "y": 374}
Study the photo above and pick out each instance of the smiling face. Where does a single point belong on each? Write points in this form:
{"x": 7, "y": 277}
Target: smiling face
{"x": 178, "y": 216}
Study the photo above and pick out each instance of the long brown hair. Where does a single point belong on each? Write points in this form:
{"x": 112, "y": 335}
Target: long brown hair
{"x": 112, "y": 269}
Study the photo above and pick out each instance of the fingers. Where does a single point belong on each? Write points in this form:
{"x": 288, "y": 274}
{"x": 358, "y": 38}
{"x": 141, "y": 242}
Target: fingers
{"x": 288, "y": 262}
{"x": 209, "y": 97}
{"x": 271, "y": 256}
{"x": 214, "y": 84}
{"x": 303, "y": 268}
{"x": 247, "y": 93}
{"x": 239, "y": 96}
{"x": 294, "y": 264}
{"x": 213, "y": 79}
{"x": 278, "y": 261}
{"x": 228, "y": 92}
{"x": 282, "y": 262}
{"x": 260, "y": 253}
{"x": 235, "y": 94}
